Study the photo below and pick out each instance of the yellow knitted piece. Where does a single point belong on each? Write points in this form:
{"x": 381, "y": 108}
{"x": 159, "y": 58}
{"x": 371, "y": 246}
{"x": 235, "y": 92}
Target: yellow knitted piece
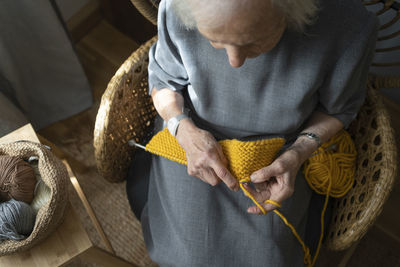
{"x": 244, "y": 157}
{"x": 165, "y": 145}
{"x": 329, "y": 170}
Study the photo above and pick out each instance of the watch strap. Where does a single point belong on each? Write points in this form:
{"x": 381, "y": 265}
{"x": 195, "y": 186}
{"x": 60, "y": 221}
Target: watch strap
{"x": 174, "y": 122}
{"x": 312, "y": 136}
{"x": 181, "y": 117}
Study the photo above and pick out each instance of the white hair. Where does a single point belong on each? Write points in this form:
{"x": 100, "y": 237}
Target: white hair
{"x": 298, "y": 13}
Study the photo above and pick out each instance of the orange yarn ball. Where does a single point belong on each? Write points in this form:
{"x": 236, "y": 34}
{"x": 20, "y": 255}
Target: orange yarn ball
{"x": 17, "y": 179}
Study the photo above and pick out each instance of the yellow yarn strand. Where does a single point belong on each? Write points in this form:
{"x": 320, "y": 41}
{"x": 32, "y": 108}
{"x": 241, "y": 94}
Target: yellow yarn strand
{"x": 329, "y": 171}
{"x": 307, "y": 255}
{"x": 247, "y": 193}
{"x": 273, "y": 202}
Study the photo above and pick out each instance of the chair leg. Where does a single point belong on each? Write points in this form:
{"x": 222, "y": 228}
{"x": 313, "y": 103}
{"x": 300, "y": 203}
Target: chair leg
{"x": 88, "y": 207}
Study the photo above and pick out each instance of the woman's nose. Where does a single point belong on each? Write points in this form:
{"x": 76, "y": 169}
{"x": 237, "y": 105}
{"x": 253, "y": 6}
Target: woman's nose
{"x": 236, "y": 56}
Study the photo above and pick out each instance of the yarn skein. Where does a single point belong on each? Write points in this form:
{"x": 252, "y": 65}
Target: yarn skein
{"x": 17, "y": 179}
{"x": 42, "y": 193}
{"x": 17, "y": 220}
{"x": 42, "y": 196}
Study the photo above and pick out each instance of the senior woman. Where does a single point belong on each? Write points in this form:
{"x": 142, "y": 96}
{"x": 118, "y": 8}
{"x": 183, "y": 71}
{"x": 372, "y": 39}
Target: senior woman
{"x": 247, "y": 69}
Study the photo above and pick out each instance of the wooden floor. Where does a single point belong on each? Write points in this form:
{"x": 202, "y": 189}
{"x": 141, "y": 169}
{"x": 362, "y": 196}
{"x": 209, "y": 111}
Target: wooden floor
{"x": 102, "y": 49}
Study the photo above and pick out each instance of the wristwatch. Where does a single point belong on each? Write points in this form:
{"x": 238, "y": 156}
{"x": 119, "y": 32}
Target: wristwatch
{"x": 174, "y": 122}
{"x": 312, "y": 136}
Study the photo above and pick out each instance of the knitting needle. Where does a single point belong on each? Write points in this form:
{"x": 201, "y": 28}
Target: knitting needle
{"x": 133, "y": 143}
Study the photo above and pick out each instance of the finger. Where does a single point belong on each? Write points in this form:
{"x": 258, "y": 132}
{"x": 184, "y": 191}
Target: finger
{"x": 249, "y": 191}
{"x": 263, "y": 197}
{"x": 268, "y": 207}
{"x": 224, "y": 174}
{"x": 204, "y": 175}
{"x": 210, "y": 177}
{"x": 222, "y": 155}
{"x": 254, "y": 210}
{"x": 266, "y": 173}
{"x": 279, "y": 197}
{"x": 260, "y": 197}
{"x": 200, "y": 176}
{"x": 283, "y": 194}
{"x": 257, "y": 196}
{"x": 261, "y": 186}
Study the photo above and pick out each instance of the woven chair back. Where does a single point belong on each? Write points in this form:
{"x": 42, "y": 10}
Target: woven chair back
{"x": 126, "y": 112}
{"x": 148, "y": 8}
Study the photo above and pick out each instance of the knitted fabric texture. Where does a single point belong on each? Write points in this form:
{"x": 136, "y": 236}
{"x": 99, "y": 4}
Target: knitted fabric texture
{"x": 244, "y": 157}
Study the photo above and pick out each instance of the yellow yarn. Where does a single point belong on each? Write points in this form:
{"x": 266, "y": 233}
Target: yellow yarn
{"x": 334, "y": 159}
{"x": 244, "y": 157}
{"x": 165, "y": 145}
{"x": 329, "y": 171}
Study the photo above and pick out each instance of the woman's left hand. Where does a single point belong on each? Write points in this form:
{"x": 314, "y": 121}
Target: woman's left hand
{"x": 276, "y": 181}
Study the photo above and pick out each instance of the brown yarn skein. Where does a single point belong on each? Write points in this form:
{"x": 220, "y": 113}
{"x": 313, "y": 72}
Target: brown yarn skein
{"x": 17, "y": 179}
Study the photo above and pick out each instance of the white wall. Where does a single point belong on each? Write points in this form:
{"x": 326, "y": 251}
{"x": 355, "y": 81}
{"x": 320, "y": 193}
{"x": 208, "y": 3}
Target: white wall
{"x": 70, "y": 7}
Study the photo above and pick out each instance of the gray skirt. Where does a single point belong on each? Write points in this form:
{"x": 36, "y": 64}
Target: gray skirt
{"x": 187, "y": 222}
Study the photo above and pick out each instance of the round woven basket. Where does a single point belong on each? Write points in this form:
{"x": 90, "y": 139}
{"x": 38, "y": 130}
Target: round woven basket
{"x": 55, "y": 176}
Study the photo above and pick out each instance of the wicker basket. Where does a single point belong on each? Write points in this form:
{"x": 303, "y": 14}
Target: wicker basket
{"x": 55, "y": 176}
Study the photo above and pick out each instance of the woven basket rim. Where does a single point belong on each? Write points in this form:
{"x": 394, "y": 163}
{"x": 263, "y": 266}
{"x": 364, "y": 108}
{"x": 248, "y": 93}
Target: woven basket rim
{"x": 55, "y": 177}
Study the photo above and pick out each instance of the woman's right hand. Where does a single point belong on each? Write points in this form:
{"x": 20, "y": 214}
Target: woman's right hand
{"x": 205, "y": 158}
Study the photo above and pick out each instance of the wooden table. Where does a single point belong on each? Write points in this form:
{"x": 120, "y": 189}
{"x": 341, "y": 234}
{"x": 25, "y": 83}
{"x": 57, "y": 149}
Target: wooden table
{"x": 70, "y": 240}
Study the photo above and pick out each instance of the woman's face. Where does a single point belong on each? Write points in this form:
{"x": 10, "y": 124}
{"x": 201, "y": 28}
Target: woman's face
{"x": 246, "y": 35}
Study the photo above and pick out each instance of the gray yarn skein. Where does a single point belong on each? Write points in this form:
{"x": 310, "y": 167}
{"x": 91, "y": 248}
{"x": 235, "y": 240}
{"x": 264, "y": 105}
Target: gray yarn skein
{"x": 17, "y": 220}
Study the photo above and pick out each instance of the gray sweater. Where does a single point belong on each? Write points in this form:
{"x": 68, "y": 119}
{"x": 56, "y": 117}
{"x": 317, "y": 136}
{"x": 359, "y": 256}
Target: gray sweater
{"x": 325, "y": 68}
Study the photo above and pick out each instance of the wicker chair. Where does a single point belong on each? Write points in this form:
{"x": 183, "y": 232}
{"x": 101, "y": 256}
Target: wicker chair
{"x": 126, "y": 112}
{"x": 148, "y": 8}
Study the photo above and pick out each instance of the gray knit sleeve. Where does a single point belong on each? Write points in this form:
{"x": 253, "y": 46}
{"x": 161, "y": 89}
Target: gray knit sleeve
{"x": 166, "y": 69}
{"x": 344, "y": 88}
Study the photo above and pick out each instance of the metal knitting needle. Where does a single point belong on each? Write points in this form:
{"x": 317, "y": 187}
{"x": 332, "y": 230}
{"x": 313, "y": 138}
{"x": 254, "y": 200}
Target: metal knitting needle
{"x": 133, "y": 143}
